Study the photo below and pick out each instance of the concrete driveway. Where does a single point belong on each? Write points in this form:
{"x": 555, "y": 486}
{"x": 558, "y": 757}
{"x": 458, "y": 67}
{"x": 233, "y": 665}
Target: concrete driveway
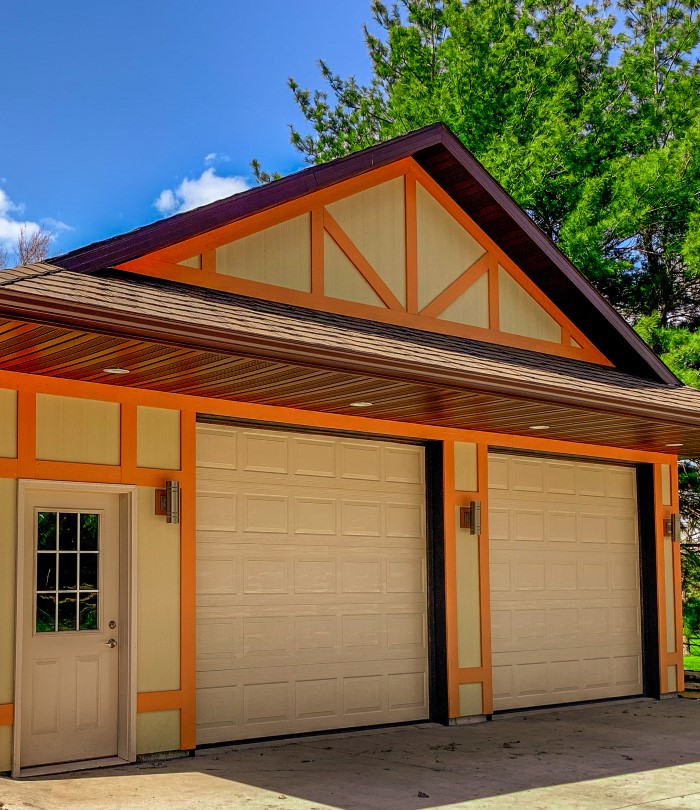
{"x": 631, "y": 754}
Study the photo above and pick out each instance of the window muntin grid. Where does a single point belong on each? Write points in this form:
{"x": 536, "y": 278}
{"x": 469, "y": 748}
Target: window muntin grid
{"x": 67, "y": 571}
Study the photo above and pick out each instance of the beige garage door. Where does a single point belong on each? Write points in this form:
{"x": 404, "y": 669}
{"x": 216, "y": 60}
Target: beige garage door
{"x": 311, "y": 583}
{"x": 565, "y": 599}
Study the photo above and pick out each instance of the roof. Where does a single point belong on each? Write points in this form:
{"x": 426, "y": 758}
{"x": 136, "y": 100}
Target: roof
{"x": 443, "y": 157}
{"x": 443, "y": 371}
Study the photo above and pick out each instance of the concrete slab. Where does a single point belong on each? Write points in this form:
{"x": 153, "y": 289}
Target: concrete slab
{"x": 637, "y": 755}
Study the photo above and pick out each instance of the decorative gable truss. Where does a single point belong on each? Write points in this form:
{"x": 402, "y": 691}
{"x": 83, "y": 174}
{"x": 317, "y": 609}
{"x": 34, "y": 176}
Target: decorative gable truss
{"x": 388, "y": 245}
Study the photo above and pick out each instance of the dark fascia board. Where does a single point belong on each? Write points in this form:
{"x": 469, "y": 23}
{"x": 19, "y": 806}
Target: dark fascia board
{"x": 538, "y": 257}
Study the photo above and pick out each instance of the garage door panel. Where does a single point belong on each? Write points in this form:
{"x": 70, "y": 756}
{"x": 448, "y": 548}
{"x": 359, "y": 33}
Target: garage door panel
{"x": 564, "y": 582}
{"x": 311, "y": 600}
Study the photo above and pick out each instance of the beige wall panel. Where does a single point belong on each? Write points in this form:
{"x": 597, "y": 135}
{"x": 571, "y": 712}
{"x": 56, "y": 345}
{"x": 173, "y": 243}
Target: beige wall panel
{"x": 5, "y": 748}
{"x": 470, "y": 699}
{"x": 665, "y": 485}
{"x": 445, "y": 249}
{"x": 672, "y": 679}
{"x": 343, "y": 280}
{"x": 520, "y": 314}
{"x": 8, "y": 544}
{"x": 158, "y": 432}
{"x": 157, "y": 732}
{"x": 375, "y": 222}
{"x": 8, "y": 423}
{"x": 468, "y": 606}
{"x": 564, "y": 571}
{"x": 466, "y": 470}
{"x": 195, "y": 262}
{"x": 670, "y": 596}
{"x": 158, "y": 583}
{"x": 472, "y": 306}
{"x": 280, "y": 255}
{"x": 78, "y": 430}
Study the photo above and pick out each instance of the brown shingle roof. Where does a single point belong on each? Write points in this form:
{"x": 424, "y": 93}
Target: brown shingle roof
{"x": 113, "y": 302}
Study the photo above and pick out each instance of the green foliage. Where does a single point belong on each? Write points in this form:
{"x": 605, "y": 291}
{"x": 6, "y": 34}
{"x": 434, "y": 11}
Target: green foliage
{"x": 588, "y": 118}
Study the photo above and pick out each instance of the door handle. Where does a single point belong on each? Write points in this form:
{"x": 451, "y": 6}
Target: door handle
{"x": 111, "y": 643}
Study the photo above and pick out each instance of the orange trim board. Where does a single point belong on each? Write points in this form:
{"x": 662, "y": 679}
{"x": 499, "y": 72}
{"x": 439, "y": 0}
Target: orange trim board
{"x": 7, "y": 714}
{"x": 158, "y": 701}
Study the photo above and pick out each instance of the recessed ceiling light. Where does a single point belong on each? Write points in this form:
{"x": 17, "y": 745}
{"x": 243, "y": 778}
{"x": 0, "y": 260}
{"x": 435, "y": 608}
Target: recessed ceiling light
{"x": 115, "y": 370}
{"x": 360, "y": 404}
{"x": 538, "y": 427}
{"x": 675, "y": 444}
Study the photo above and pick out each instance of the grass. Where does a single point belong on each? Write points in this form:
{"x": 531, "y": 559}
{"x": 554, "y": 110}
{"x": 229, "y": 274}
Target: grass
{"x": 692, "y": 662}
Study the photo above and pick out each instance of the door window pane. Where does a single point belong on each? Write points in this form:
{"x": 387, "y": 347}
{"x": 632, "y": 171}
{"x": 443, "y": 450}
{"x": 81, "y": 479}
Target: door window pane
{"x": 89, "y": 529}
{"x": 88, "y": 611}
{"x": 67, "y": 571}
{"x": 68, "y": 531}
{"x": 66, "y": 611}
{"x": 46, "y": 531}
{"x": 46, "y": 613}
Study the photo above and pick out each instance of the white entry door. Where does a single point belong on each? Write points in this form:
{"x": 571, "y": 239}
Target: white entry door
{"x": 70, "y": 629}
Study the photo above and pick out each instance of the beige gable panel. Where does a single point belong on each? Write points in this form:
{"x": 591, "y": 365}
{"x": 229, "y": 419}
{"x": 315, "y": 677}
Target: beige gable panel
{"x": 520, "y": 314}
{"x": 472, "y": 306}
{"x": 375, "y": 222}
{"x": 158, "y": 594}
{"x": 280, "y": 255}
{"x": 445, "y": 249}
{"x": 8, "y": 424}
{"x": 158, "y": 438}
{"x": 157, "y": 732}
{"x": 77, "y": 430}
{"x": 195, "y": 261}
{"x": 343, "y": 280}
{"x": 8, "y": 544}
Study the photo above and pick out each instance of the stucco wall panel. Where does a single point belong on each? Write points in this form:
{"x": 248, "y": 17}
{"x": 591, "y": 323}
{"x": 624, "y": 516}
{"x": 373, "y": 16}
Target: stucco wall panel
{"x": 470, "y": 699}
{"x": 8, "y": 423}
{"x": 158, "y": 586}
{"x": 5, "y": 748}
{"x": 520, "y": 314}
{"x": 77, "y": 430}
{"x": 158, "y": 437}
{"x": 468, "y": 605}
{"x": 158, "y": 731}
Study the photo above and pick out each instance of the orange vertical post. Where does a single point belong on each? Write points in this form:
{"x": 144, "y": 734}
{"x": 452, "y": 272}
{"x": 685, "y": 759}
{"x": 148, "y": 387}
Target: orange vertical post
{"x": 188, "y": 582}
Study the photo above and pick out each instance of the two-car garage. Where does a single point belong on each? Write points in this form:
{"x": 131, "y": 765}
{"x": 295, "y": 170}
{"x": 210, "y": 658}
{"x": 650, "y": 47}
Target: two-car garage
{"x": 312, "y": 592}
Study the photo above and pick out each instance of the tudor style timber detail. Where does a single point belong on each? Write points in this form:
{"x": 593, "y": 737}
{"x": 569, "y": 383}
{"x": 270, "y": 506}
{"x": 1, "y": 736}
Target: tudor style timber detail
{"x": 389, "y": 245}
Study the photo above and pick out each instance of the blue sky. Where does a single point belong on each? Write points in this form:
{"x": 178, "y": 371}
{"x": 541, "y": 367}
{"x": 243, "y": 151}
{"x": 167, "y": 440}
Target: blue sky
{"x": 109, "y": 109}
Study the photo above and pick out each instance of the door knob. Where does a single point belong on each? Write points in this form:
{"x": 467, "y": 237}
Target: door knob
{"x": 111, "y": 643}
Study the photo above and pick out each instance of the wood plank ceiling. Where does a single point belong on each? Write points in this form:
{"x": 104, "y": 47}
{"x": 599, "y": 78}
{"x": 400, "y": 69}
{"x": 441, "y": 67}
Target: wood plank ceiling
{"x": 77, "y": 355}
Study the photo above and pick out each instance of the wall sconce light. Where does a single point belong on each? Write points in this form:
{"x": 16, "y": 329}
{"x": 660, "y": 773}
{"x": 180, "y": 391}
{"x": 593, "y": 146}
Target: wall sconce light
{"x": 672, "y": 528}
{"x": 168, "y": 502}
{"x": 470, "y": 517}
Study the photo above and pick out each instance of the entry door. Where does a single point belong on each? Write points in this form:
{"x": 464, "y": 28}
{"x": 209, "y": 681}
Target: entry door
{"x": 70, "y": 644}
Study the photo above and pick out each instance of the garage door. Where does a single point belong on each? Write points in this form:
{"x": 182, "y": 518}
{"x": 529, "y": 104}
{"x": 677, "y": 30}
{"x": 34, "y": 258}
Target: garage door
{"x": 311, "y": 583}
{"x": 565, "y": 599}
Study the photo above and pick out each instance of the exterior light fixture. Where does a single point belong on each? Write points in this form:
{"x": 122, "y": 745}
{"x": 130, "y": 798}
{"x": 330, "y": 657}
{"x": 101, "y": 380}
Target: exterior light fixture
{"x": 538, "y": 427}
{"x": 361, "y": 404}
{"x": 168, "y": 502}
{"x": 115, "y": 370}
{"x": 672, "y": 527}
{"x": 675, "y": 444}
{"x": 470, "y": 517}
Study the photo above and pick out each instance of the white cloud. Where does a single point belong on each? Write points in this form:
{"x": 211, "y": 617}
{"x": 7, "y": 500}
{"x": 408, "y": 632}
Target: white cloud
{"x": 206, "y": 188}
{"x": 12, "y": 224}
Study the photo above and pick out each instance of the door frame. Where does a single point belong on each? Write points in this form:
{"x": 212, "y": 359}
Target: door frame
{"x": 126, "y": 723}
